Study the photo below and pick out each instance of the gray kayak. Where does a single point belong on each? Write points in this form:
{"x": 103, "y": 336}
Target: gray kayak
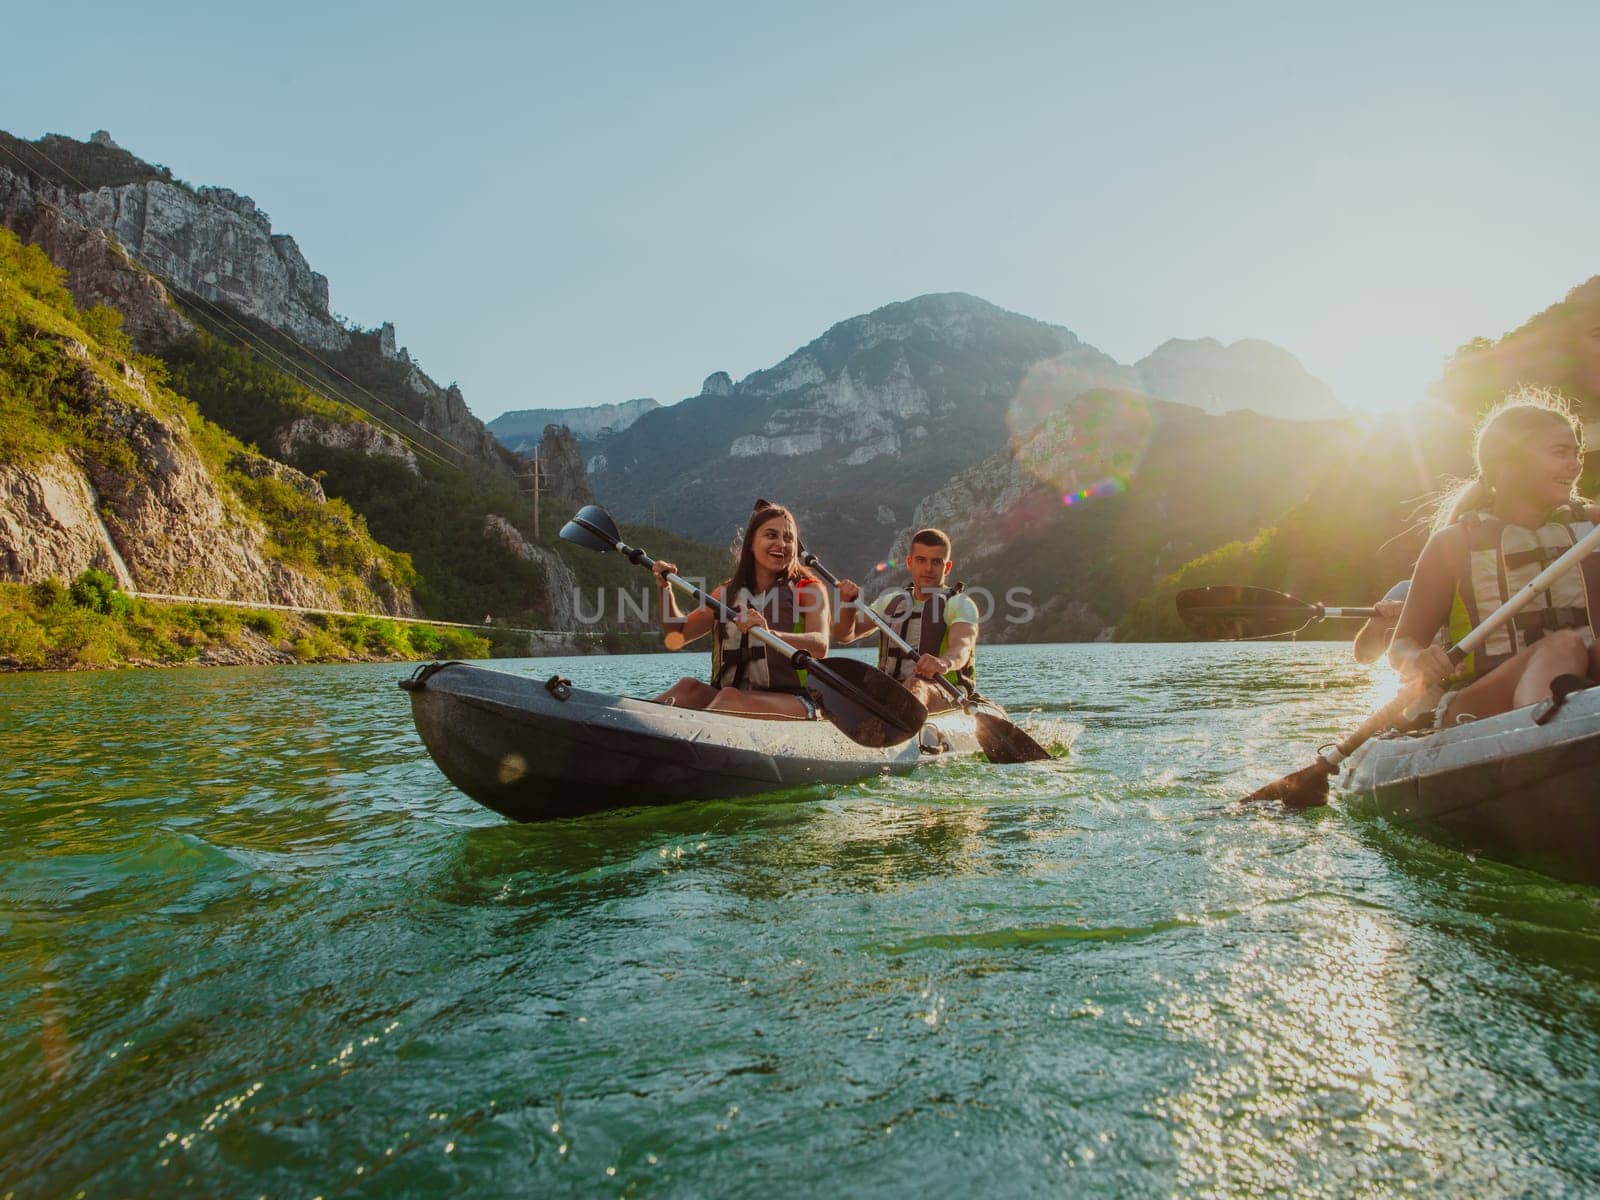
{"x": 535, "y": 749}
{"x": 1504, "y": 787}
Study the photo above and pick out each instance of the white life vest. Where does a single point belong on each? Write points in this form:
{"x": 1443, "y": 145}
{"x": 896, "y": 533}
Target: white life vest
{"x": 1502, "y": 559}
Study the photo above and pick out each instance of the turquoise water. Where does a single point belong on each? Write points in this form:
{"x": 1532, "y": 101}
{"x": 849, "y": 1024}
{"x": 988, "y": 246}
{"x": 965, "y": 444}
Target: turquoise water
{"x": 252, "y": 943}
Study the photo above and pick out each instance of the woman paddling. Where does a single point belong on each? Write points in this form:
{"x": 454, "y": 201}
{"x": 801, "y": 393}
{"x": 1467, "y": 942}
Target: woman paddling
{"x": 770, "y": 590}
{"x": 1493, "y": 534}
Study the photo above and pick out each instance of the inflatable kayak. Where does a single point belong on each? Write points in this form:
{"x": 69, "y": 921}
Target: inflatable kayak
{"x": 1506, "y": 787}
{"x": 534, "y": 749}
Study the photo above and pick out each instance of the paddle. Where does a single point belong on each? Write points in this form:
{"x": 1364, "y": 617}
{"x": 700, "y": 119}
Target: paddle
{"x": 1001, "y": 740}
{"x": 1231, "y": 612}
{"x": 1309, "y": 785}
{"x": 864, "y": 704}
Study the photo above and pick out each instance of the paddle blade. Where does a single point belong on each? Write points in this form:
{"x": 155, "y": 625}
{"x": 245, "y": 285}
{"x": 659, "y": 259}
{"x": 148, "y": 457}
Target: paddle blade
{"x": 1306, "y": 788}
{"x": 866, "y": 705}
{"x": 1004, "y": 741}
{"x": 593, "y": 529}
{"x": 1232, "y": 613}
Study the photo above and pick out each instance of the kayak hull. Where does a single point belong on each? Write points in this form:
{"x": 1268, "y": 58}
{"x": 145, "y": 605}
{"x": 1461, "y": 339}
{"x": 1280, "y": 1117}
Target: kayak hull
{"x": 534, "y": 750}
{"x": 1503, "y": 787}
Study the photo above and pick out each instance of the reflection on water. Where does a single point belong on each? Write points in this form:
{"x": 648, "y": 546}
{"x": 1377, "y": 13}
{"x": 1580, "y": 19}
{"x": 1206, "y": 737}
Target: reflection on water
{"x": 255, "y": 944}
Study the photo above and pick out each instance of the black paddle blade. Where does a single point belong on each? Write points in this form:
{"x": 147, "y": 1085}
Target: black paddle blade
{"x": 1004, "y": 741}
{"x": 866, "y": 705}
{"x": 1306, "y": 788}
{"x": 593, "y": 529}
{"x": 1232, "y": 613}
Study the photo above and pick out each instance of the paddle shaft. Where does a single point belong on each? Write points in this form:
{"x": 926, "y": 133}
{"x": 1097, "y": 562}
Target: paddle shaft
{"x": 799, "y": 658}
{"x": 809, "y": 559}
{"x": 1400, "y": 708}
{"x": 1312, "y": 612}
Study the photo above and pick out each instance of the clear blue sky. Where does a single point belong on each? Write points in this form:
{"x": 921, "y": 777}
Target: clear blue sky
{"x": 564, "y": 206}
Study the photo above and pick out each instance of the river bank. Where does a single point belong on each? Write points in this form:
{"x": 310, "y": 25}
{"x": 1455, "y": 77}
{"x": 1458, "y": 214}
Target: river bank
{"x": 92, "y": 626}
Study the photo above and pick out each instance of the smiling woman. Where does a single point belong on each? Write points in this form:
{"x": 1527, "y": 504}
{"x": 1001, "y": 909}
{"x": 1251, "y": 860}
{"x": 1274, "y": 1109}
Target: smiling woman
{"x": 1494, "y": 533}
{"x": 768, "y": 590}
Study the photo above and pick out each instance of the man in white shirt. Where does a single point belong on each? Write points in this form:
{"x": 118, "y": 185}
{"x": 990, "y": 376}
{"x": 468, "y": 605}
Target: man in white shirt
{"x": 939, "y": 621}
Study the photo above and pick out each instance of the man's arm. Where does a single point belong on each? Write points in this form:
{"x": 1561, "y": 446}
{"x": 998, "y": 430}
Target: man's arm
{"x": 852, "y": 623}
{"x": 963, "y": 641}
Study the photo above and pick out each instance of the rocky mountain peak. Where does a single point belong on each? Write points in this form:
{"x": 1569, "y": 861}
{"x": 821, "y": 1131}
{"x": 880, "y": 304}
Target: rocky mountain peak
{"x": 718, "y": 383}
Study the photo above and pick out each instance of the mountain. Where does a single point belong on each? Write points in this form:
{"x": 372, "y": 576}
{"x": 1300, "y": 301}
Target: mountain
{"x": 216, "y": 251}
{"x": 858, "y": 427}
{"x": 1249, "y": 373}
{"x": 1364, "y": 519}
{"x": 229, "y": 314}
{"x": 104, "y": 467}
{"x": 1109, "y": 494}
{"x": 523, "y": 428}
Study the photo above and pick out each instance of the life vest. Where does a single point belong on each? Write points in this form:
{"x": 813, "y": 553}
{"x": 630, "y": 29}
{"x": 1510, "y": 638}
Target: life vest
{"x": 923, "y": 625}
{"x": 741, "y": 661}
{"x": 1501, "y": 560}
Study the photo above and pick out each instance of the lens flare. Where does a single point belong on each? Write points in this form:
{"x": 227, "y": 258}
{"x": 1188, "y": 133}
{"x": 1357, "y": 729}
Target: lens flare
{"x": 1081, "y": 438}
{"x": 1106, "y": 487}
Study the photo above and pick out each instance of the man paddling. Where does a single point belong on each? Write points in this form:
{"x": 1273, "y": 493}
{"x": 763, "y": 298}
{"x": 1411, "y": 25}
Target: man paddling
{"x": 939, "y": 621}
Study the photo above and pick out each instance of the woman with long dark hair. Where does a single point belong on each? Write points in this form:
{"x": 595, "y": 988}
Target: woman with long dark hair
{"x": 1493, "y": 533}
{"x": 768, "y": 590}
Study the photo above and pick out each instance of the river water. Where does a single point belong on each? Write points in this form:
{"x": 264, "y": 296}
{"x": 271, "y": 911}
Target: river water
{"x": 252, "y": 943}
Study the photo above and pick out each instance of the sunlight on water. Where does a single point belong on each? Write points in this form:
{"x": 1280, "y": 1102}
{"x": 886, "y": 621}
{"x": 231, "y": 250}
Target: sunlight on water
{"x": 253, "y": 943}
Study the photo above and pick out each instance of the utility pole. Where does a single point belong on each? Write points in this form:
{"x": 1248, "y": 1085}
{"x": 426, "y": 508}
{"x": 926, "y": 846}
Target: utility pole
{"x": 535, "y": 482}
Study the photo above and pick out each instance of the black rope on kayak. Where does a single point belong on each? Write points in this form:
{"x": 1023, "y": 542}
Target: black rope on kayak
{"x": 418, "y": 679}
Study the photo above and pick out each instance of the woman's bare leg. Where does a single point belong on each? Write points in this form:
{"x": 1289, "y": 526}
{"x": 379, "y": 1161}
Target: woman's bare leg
{"x": 688, "y": 693}
{"x": 1525, "y": 679}
{"x": 773, "y": 706}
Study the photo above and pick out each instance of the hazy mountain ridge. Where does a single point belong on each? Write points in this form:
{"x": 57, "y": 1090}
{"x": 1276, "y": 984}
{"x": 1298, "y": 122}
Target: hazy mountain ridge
{"x": 522, "y": 429}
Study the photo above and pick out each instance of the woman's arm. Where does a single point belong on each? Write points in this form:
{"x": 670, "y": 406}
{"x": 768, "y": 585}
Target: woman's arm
{"x": 694, "y": 625}
{"x": 1427, "y": 608}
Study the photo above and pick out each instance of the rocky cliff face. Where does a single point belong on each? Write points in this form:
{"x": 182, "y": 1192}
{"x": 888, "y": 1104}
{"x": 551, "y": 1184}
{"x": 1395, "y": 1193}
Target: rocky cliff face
{"x": 154, "y": 517}
{"x": 561, "y": 463}
{"x": 79, "y": 201}
{"x": 561, "y": 585}
{"x": 362, "y": 438}
{"x": 862, "y": 422}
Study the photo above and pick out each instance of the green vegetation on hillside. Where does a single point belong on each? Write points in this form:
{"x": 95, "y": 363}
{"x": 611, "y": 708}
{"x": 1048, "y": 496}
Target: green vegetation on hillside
{"x": 436, "y": 514}
{"x": 1163, "y": 481}
{"x": 51, "y": 626}
{"x": 72, "y": 164}
{"x": 64, "y": 372}
{"x": 1356, "y": 534}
